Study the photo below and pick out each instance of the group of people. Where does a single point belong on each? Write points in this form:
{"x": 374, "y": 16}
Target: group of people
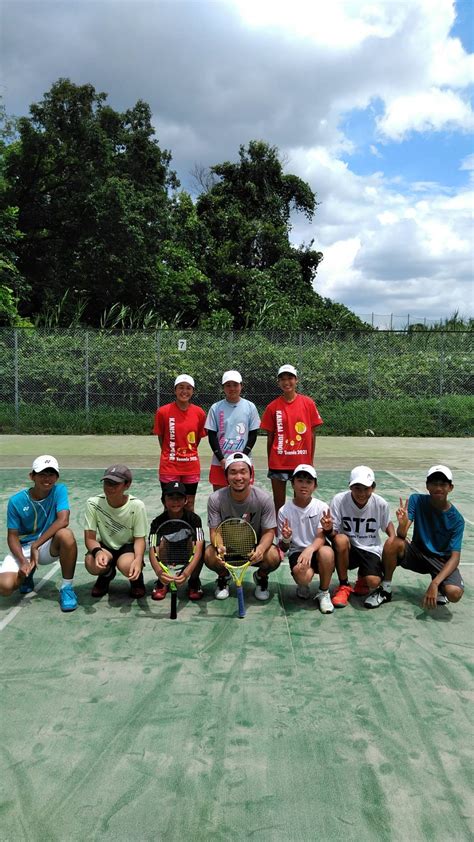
{"x": 319, "y": 538}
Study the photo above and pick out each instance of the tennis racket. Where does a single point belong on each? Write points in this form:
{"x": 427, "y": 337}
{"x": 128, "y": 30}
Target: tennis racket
{"x": 235, "y": 541}
{"x": 174, "y": 544}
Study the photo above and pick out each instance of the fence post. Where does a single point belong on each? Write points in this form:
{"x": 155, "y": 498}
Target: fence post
{"x": 369, "y": 381}
{"x": 300, "y": 358}
{"x": 158, "y": 367}
{"x": 15, "y": 369}
{"x": 441, "y": 380}
{"x": 86, "y": 372}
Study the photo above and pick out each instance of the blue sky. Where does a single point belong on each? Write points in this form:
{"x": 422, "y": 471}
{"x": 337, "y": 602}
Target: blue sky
{"x": 370, "y": 101}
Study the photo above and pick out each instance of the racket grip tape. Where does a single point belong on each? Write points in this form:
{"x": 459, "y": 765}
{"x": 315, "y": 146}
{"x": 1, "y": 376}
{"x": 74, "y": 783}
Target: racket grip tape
{"x": 174, "y": 604}
{"x": 240, "y": 601}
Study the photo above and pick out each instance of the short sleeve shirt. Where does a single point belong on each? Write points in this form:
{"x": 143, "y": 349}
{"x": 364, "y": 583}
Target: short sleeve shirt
{"x": 362, "y": 526}
{"x": 31, "y": 518}
{"x": 232, "y": 422}
{"x": 304, "y": 522}
{"x": 292, "y": 424}
{"x": 257, "y": 509}
{"x": 180, "y": 431}
{"x": 189, "y": 517}
{"x": 434, "y": 532}
{"x": 116, "y": 527}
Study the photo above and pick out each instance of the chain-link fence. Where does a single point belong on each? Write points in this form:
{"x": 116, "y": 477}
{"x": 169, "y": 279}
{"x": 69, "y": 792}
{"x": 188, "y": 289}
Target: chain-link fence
{"x": 87, "y": 381}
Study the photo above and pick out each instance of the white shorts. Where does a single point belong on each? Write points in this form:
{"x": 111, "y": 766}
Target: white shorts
{"x": 10, "y": 564}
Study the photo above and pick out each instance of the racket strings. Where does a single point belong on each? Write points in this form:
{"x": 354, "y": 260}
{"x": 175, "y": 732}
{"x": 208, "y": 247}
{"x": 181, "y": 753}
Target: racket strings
{"x": 239, "y": 541}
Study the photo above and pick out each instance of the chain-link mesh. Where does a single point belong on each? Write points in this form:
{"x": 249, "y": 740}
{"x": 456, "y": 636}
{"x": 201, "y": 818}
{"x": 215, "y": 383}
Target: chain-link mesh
{"x": 391, "y": 383}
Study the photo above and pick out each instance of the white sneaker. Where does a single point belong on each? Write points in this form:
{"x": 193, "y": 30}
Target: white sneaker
{"x": 303, "y": 591}
{"x": 441, "y": 599}
{"x": 222, "y": 588}
{"x": 325, "y": 602}
{"x": 261, "y": 587}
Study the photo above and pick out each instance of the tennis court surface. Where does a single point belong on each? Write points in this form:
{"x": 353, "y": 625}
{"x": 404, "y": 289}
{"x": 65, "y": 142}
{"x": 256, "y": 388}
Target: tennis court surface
{"x": 288, "y": 725}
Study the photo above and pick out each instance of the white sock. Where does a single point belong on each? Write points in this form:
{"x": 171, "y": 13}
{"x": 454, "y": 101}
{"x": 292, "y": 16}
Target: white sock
{"x": 65, "y": 582}
{"x": 387, "y": 586}
{"x": 323, "y": 590}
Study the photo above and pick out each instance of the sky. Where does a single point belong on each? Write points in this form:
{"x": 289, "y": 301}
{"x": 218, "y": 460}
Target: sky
{"x": 369, "y": 102}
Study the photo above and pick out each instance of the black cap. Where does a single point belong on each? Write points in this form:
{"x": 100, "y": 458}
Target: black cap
{"x": 174, "y": 488}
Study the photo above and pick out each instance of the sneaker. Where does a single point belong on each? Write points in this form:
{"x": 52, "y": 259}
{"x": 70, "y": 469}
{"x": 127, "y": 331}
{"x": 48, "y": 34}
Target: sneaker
{"x": 222, "y": 588}
{"x": 195, "y": 592}
{"x": 159, "y": 590}
{"x": 441, "y": 599}
{"x": 261, "y": 586}
{"x": 27, "y": 584}
{"x": 325, "y": 602}
{"x": 303, "y": 591}
{"x": 67, "y": 598}
{"x": 137, "y": 588}
{"x": 377, "y": 598}
{"x": 102, "y": 583}
{"x": 341, "y": 595}
{"x": 360, "y": 588}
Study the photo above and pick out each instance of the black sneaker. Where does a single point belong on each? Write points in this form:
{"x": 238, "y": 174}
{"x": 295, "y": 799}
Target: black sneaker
{"x": 102, "y": 583}
{"x": 137, "y": 588}
{"x": 378, "y": 598}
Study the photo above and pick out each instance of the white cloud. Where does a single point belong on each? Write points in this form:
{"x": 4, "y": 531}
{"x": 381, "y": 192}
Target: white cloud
{"x": 431, "y": 110}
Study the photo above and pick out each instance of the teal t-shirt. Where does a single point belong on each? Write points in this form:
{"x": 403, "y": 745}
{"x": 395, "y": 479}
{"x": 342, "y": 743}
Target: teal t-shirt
{"x": 437, "y": 533}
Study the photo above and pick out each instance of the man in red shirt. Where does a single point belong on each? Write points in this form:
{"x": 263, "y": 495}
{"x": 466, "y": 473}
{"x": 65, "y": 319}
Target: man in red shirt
{"x": 180, "y": 427}
{"x": 290, "y": 422}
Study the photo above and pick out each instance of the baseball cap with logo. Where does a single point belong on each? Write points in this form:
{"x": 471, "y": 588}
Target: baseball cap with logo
{"x": 287, "y": 369}
{"x": 440, "y": 469}
{"x": 174, "y": 488}
{"x": 184, "y": 378}
{"x": 118, "y": 473}
{"x": 237, "y": 457}
{"x": 362, "y": 475}
{"x": 305, "y": 469}
{"x": 231, "y": 376}
{"x": 41, "y": 463}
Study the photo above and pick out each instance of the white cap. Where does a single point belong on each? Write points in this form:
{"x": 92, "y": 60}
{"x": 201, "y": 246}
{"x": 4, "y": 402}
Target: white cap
{"x": 237, "y": 457}
{"x": 287, "y": 369}
{"x": 305, "y": 469}
{"x": 362, "y": 475}
{"x": 184, "y": 378}
{"x": 43, "y": 462}
{"x": 231, "y": 376}
{"x": 440, "y": 469}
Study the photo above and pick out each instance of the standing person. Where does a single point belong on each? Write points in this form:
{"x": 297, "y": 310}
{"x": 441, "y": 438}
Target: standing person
{"x": 242, "y": 500}
{"x": 290, "y": 422}
{"x": 38, "y": 533}
{"x": 435, "y": 548}
{"x": 174, "y": 499}
{"x": 353, "y": 525}
{"x": 115, "y": 533}
{"x": 301, "y": 535}
{"x": 232, "y": 425}
{"x": 180, "y": 427}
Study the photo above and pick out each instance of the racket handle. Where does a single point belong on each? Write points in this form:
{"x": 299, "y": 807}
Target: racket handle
{"x": 174, "y": 604}
{"x": 240, "y": 600}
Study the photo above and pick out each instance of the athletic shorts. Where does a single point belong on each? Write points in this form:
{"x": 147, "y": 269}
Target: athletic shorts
{"x": 369, "y": 564}
{"x": 293, "y": 560}
{"x": 126, "y": 548}
{"x": 283, "y": 476}
{"x": 190, "y": 482}
{"x": 10, "y": 564}
{"x": 420, "y": 562}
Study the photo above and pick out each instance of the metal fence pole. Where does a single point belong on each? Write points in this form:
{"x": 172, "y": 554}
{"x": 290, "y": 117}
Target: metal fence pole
{"x": 86, "y": 373}
{"x": 369, "y": 382}
{"x": 158, "y": 367}
{"x": 441, "y": 381}
{"x": 15, "y": 368}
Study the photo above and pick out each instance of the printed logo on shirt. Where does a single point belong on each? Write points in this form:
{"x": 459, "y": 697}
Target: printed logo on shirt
{"x": 359, "y": 525}
{"x": 172, "y": 432}
{"x": 279, "y": 428}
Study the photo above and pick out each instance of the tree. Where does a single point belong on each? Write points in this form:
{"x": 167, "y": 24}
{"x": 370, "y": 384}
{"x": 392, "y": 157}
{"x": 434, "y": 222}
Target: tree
{"x": 91, "y": 185}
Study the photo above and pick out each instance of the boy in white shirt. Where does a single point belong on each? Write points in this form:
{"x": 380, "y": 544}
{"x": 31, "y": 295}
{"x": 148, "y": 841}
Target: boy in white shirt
{"x": 301, "y": 534}
{"x": 353, "y": 525}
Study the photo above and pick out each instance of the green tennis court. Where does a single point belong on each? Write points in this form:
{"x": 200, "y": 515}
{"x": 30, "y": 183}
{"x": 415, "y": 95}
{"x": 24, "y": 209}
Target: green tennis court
{"x": 288, "y": 725}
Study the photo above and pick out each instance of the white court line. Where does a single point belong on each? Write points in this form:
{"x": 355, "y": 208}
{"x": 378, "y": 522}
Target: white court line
{"x": 415, "y": 488}
{"x": 27, "y": 597}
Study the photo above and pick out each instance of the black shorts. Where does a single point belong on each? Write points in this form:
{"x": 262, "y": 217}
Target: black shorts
{"x": 420, "y": 562}
{"x": 293, "y": 560}
{"x": 191, "y": 487}
{"x": 369, "y": 564}
{"x": 126, "y": 548}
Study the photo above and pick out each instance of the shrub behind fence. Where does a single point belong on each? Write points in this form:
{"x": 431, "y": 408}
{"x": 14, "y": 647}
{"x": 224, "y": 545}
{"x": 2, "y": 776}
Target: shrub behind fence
{"x": 88, "y": 381}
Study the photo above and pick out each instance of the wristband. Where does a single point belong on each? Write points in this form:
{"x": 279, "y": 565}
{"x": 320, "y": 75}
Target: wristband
{"x": 94, "y": 552}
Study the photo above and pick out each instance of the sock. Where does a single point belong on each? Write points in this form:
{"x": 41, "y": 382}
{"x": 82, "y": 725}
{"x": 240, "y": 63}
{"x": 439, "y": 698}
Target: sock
{"x": 343, "y": 581}
{"x": 323, "y": 590}
{"x": 65, "y": 582}
{"x": 387, "y": 586}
